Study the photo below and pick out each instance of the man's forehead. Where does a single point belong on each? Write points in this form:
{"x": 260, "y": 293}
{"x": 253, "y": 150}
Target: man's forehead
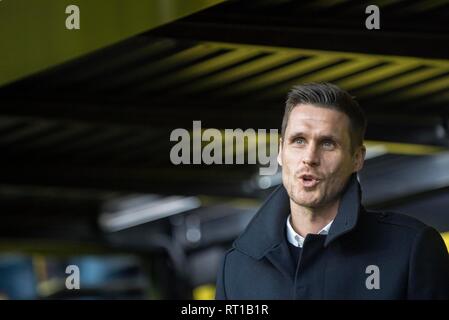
{"x": 315, "y": 113}
{"x": 316, "y": 118}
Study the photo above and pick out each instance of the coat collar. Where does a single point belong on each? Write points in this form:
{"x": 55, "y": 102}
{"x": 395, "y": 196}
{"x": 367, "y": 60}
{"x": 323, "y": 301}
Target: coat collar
{"x": 266, "y": 230}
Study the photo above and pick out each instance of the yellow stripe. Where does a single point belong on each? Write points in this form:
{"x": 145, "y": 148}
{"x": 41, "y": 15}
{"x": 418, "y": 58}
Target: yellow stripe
{"x": 376, "y": 74}
{"x": 281, "y": 74}
{"x": 423, "y": 89}
{"x": 151, "y": 68}
{"x": 201, "y": 68}
{"x": 318, "y": 59}
{"x": 405, "y": 148}
{"x": 327, "y": 74}
{"x": 402, "y": 81}
{"x": 244, "y": 70}
{"x": 337, "y": 54}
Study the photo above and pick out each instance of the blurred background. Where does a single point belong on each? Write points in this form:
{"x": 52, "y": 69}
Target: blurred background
{"x": 86, "y": 116}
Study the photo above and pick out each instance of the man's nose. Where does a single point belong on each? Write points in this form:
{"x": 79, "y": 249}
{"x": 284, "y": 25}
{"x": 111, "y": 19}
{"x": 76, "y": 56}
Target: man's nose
{"x": 311, "y": 156}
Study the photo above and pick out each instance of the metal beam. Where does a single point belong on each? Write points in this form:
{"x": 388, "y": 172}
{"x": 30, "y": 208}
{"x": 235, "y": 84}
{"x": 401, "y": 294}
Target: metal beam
{"x": 357, "y": 41}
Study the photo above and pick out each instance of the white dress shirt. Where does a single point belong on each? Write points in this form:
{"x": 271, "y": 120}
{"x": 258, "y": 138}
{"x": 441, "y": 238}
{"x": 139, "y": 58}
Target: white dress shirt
{"x": 298, "y": 240}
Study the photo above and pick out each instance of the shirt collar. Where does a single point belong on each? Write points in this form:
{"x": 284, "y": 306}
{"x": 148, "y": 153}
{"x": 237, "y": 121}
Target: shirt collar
{"x": 296, "y": 239}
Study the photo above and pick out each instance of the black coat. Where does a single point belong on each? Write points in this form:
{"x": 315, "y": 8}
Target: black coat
{"x": 411, "y": 258}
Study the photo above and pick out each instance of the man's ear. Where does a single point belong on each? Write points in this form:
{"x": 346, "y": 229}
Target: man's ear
{"x": 359, "y": 158}
{"x": 280, "y": 152}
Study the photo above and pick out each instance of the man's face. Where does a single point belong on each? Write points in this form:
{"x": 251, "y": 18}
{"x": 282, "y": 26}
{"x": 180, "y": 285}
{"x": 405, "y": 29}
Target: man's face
{"x": 316, "y": 156}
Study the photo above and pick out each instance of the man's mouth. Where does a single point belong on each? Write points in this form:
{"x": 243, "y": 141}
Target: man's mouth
{"x": 309, "y": 181}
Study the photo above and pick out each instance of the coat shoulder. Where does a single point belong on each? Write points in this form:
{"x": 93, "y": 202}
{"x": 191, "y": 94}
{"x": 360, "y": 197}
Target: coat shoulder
{"x": 395, "y": 219}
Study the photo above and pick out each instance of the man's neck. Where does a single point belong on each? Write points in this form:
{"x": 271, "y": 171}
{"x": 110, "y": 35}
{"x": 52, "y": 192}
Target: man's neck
{"x": 311, "y": 220}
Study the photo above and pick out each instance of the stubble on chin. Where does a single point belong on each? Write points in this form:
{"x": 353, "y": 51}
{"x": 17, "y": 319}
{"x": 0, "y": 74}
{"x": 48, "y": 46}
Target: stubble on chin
{"x": 301, "y": 198}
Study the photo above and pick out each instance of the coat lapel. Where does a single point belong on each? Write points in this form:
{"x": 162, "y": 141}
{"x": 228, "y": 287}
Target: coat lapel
{"x": 280, "y": 257}
{"x": 265, "y": 234}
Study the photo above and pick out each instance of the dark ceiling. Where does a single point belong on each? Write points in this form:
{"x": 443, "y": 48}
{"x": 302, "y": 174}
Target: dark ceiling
{"x": 101, "y": 124}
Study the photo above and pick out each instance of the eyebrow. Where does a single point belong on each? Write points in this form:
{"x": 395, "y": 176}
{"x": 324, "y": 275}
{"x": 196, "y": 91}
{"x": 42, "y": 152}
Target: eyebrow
{"x": 323, "y": 137}
{"x": 329, "y": 137}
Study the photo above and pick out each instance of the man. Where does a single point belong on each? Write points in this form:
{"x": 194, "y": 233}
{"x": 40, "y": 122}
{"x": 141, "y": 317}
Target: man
{"x": 312, "y": 238}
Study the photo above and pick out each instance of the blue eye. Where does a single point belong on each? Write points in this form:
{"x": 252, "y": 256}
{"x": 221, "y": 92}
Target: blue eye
{"x": 328, "y": 144}
{"x": 299, "y": 141}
